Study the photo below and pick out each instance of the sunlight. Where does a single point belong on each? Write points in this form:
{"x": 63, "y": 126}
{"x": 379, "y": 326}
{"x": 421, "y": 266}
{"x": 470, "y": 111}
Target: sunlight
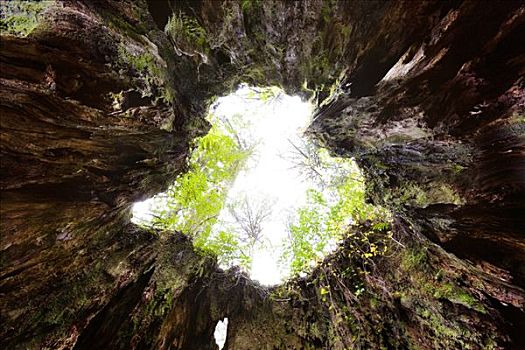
{"x": 221, "y": 332}
{"x": 273, "y": 189}
{"x": 270, "y": 176}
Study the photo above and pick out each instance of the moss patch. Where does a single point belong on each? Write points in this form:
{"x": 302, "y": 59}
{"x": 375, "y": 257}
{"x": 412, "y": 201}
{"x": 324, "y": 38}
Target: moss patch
{"x": 21, "y": 17}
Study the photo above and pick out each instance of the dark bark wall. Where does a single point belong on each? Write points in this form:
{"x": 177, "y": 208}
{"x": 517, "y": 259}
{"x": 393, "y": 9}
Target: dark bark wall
{"x": 79, "y": 145}
{"x": 443, "y": 131}
{"x": 98, "y": 109}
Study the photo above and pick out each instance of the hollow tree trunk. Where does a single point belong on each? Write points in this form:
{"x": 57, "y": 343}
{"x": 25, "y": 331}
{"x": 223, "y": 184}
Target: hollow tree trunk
{"x": 98, "y": 109}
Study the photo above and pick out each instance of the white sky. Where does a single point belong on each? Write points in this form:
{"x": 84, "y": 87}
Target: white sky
{"x": 221, "y": 331}
{"x": 272, "y": 176}
{"x": 268, "y": 175}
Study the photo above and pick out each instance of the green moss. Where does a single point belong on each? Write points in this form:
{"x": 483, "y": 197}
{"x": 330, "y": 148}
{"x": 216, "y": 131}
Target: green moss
{"x": 414, "y": 258}
{"x": 327, "y": 10}
{"x": 458, "y": 169}
{"x": 374, "y": 302}
{"x": 21, "y": 17}
{"x": 149, "y": 71}
{"x": 444, "y": 193}
{"x": 413, "y": 194}
{"x": 254, "y": 75}
{"x": 143, "y": 62}
{"x": 327, "y": 48}
{"x": 250, "y": 5}
{"x": 458, "y": 296}
{"x": 425, "y": 313}
{"x": 443, "y": 291}
{"x": 187, "y": 33}
{"x": 119, "y": 24}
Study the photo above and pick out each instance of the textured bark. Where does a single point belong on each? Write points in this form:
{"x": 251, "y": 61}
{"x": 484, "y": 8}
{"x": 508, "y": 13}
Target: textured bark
{"x": 72, "y": 165}
{"x": 449, "y": 121}
{"x": 427, "y": 96}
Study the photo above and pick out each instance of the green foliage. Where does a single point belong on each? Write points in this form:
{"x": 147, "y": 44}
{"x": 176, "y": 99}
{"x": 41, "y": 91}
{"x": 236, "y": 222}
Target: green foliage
{"x": 196, "y": 199}
{"x": 249, "y": 5}
{"x": 307, "y": 242}
{"x": 20, "y": 17}
{"x": 326, "y": 219}
{"x": 226, "y": 246}
{"x": 335, "y": 203}
{"x": 186, "y": 33}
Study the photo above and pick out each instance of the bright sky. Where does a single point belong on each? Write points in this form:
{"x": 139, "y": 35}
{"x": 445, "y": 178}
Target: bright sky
{"x": 274, "y": 123}
{"x": 268, "y": 175}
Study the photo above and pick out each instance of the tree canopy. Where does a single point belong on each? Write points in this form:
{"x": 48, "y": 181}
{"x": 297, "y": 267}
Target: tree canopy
{"x": 232, "y": 227}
